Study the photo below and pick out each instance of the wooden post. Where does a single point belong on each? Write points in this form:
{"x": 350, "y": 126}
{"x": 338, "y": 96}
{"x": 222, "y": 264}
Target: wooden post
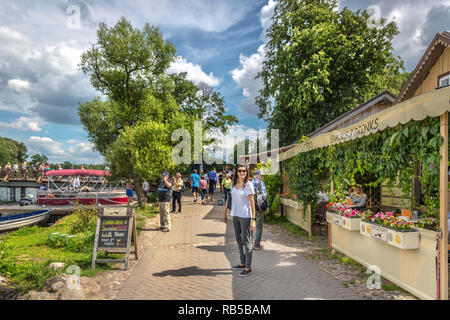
{"x": 135, "y": 236}
{"x": 309, "y": 221}
{"x": 444, "y": 210}
{"x": 330, "y": 239}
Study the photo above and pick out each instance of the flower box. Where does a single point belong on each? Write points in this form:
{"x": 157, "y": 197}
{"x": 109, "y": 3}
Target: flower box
{"x": 291, "y": 203}
{"x": 400, "y": 239}
{"x": 351, "y": 224}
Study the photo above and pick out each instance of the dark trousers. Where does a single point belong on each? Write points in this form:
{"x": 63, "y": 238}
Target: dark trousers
{"x": 244, "y": 240}
{"x": 227, "y": 193}
{"x": 176, "y": 197}
{"x": 259, "y": 227}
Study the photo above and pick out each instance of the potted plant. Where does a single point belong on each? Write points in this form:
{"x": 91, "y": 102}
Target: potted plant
{"x": 342, "y": 215}
{"x": 387, "y": 228}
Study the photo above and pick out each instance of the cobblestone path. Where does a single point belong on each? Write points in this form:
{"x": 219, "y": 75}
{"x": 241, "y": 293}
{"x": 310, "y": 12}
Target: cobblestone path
{"x": 193, "y": 261}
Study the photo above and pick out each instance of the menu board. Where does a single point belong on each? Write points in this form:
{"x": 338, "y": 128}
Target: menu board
{"x": 116, "y": 230}
{"x": 113, "y": 232}
{"x": 395, "y": 198}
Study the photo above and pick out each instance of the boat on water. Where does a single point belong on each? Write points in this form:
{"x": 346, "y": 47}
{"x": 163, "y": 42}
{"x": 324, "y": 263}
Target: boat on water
{"x": 10, "y": 221}
{"x": 68, "y": 195}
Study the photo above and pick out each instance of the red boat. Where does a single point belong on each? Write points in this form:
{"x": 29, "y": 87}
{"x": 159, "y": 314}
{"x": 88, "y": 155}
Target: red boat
{"x": 75, "y": 190}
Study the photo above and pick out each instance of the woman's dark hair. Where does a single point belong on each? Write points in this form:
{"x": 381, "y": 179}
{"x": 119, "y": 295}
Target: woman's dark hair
{"x": 236, "y": 175}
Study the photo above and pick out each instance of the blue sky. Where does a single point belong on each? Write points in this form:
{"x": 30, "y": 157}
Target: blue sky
{"x": 218, "y": 42}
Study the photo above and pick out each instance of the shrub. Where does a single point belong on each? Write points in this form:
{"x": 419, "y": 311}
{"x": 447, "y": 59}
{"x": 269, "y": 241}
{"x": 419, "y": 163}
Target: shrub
{"x": 86, "y": 219}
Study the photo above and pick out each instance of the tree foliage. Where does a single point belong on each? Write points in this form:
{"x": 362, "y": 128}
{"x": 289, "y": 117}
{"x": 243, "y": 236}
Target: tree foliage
{"x": 385, "y": 157}
{"x": 321, "y": 62}
{"x": 142, "y": 104}
{"x": 12, "y": 151}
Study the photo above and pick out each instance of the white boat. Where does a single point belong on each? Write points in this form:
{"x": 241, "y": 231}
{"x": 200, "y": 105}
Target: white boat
{"x": 15, "y": 221}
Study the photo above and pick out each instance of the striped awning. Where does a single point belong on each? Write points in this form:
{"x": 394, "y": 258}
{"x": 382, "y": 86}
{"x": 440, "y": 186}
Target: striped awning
{"x": 433, "y": 104}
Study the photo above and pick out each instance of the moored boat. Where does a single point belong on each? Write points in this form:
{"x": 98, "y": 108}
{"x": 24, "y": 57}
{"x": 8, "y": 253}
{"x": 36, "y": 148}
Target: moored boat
{"x": 15, "y": 221}
{"x": 81, "y": 194}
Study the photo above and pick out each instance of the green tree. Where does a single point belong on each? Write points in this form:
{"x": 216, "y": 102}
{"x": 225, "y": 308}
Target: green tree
{"x": 141, "y": 103}
{"x": 16, "y": 150}
{"x": 5, "y": 156}
{"x": 201, "y": 102}
{"x": 39, "y": 158}
{"x": 320, "y": 63}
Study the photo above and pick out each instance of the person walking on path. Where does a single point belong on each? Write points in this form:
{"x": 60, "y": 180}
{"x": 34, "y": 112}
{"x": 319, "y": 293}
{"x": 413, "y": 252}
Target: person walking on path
{"x": 226, "y": 184}
{"x": 129, "y": 187}
{"x": 164, "y": 196}
{"x": 203, "y": 189}
{"x": 212, "y": 183}
{"x": 176, "y": 197}
{"x": 261, "y": 206}
{"x": 195, "y": 178}
{"x": 145, "y": 188}
{"x": 243, "y": 213}
{"x": 221, "y": 176}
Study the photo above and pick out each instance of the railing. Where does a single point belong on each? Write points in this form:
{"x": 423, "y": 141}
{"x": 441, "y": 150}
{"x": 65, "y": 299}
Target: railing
{"x": 39, "y": 176}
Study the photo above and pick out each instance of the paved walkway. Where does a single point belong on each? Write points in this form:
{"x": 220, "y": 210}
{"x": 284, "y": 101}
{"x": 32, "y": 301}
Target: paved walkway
{"x": 193, "y": 261}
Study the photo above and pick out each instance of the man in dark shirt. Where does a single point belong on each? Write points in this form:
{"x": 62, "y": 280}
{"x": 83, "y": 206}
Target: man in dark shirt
{"x": 164, "y": 198}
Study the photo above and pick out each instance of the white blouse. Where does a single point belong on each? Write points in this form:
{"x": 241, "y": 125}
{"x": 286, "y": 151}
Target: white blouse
{"x": 240, "y": 204}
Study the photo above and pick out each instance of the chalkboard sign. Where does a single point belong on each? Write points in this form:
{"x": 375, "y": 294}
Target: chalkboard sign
{"x": 113, "y": 232}
{"x": 116, "y": 229}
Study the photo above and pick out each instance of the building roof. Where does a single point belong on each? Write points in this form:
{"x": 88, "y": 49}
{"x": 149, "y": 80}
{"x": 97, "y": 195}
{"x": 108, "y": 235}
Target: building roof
{"x": 432, "y": 54}
{"x": 385, "y": 96}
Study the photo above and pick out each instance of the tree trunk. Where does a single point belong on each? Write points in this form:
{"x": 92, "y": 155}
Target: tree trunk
{"x": 139, "y": 190}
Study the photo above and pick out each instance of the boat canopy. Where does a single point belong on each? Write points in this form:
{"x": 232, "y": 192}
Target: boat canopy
{"x": 77, "y": 172}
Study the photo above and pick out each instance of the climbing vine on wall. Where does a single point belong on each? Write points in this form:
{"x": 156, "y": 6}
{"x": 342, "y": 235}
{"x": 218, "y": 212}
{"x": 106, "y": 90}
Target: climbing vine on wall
{"x": 384, "y": 157}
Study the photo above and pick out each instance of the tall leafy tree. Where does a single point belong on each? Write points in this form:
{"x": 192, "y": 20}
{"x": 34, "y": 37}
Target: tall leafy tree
{"x": 141, "y": 103}
{"x": 320, "y": 63}
{"x": 39, "y": 158}
{"x": 13, "y": 151}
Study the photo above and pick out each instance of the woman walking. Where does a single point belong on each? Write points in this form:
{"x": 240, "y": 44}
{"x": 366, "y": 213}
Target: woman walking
{"x": 243, "y": 213}
{"x": 176, "y": 195}
{"x": 203, "y": 188}
{"x": 227, "y": 182}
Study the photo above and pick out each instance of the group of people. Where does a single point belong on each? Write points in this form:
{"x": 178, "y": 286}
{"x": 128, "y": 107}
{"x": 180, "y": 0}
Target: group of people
{"x": 245, "y": 197}
{"x": 23, "y": 170}
{"x": 205, "y": 184}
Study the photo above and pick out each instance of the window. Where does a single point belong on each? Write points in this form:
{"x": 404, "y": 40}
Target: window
{"x": 444, "y": 81}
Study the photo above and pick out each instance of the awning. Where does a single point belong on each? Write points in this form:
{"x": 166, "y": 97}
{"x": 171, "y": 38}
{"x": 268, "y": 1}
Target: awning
{"x": 433, "y": 104}
{"x": 75, "y": 172}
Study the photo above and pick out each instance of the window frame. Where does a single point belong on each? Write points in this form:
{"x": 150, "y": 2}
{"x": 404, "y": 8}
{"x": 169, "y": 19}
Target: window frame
{"x": 441, "y": 77}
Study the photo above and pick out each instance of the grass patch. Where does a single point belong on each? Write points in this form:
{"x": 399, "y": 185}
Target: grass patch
{"x": 148, "y": 211}
{"x": 26, "y": 253}
{"x": 282, "y": 221}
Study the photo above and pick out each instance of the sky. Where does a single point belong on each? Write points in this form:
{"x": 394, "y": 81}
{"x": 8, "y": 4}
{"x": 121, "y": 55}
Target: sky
{"x": 220, "y": 42}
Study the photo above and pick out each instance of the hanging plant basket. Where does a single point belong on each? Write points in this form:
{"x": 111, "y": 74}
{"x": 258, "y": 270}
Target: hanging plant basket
{"x": 400, "y": 239}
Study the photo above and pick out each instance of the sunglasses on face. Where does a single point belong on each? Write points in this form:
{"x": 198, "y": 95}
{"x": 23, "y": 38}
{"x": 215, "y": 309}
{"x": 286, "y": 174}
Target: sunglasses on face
{"x": 244, "y": 171}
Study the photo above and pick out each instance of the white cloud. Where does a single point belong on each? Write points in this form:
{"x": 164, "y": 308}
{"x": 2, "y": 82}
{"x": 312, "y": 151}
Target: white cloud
{"x": 73, "y": 150}
{"x": 194, "y": 72}
{"x": 46, "y": 146}
{"x": 250, "y": 66}
{"x": 245, "y": 78}
{"x": 24, "y": 124}
{"x": 204, "y": 15}
{"x": 18, "y": 85}
{"x": 266, "y": 15}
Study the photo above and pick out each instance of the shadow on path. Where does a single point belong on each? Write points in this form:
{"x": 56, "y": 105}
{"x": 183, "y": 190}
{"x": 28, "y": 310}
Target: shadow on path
{"x": 192, "y": 271}
{"x": 212, "y": 235}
